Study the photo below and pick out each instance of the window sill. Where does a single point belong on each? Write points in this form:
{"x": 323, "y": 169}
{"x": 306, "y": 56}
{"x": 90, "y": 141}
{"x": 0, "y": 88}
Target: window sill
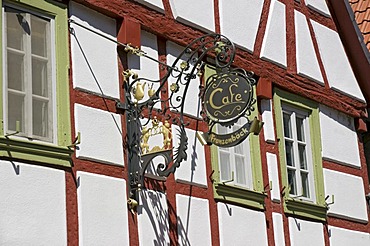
{"x": 238, "y": 195}
{"x": 35, "y": 152}
{"x": 305, "y": 209}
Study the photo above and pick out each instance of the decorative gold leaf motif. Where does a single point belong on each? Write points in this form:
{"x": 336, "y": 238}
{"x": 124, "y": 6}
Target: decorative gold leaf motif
{"x": 157, "y": 128}
{"x": 174, "y": 87}
{"x": 184, "y": 65}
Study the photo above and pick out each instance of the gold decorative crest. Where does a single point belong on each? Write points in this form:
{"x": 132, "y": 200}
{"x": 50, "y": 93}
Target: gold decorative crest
{"x": 157, "y": 128}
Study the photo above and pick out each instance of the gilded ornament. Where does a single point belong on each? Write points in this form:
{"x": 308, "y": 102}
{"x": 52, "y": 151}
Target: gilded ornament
{"x": 151, "y": 91}
{"x": 184, "y": 65}
{"x": 138, "y": 91}
{"x": 174, "y": 87}
{"x": 157, "y": 128}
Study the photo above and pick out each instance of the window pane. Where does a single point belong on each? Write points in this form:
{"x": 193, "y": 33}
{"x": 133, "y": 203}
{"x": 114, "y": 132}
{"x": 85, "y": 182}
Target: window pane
{"x": 38, "y": 36}
{"x": 39, "y": 77}
{"x": 289, "y": 155}
{"x": 14, "y": 30}
{"x": 239, "y": 149}
{"x": 292, "y": 182}
{"x": 15, "y": 111}
{"x": 40, "y": 118}
{"x": 305, "y": 185}
{"x": 225, "y": 166}
{"x": 15, "y": 71}
{"x": 302, "y": 156}
{"x": 240, "y": 170}
{"x": 300, "y": 129}
{"x": 287, "y": 125}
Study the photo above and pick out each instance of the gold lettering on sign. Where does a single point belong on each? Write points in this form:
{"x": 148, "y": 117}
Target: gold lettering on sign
{"x": 231, "y": 98}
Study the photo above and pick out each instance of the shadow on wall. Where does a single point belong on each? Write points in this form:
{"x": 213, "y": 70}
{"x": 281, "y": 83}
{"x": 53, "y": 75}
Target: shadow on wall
{"x": 157, "y": 209}
{"x": 337, "y": 116}
{"x": 182, "y": 230}
{"x": 151, "y": 205}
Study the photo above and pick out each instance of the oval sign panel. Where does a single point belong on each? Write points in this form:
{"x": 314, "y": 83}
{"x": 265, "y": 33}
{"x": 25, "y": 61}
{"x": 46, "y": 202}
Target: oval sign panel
{"x": 227, "y": 97}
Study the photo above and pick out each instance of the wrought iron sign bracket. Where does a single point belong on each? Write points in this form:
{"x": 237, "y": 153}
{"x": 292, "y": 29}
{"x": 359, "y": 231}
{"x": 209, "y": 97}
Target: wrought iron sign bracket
{"x": 122, "y": 106}
{"x": 226, "y": 97}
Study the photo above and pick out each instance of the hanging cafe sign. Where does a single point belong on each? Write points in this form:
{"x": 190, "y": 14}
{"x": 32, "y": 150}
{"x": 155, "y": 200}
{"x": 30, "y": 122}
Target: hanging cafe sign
{"x": 226, "y": 97}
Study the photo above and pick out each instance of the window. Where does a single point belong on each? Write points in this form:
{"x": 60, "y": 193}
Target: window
{"x": 297, "y": 146}
{"x": 237, "y": 171}
{"x": 298, "y": 130}
{"x": 28, "y": 75}
{"x": 35, "y": 103}
{"x": 233, "y": 162}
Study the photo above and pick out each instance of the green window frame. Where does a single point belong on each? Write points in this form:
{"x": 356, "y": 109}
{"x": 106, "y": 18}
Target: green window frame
{"x": 314, "y": 208}
{"x": 55, "y": 152}
{"x": 228, "y": 191}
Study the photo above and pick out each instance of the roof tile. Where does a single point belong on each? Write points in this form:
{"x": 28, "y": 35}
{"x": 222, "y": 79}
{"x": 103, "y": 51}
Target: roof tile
{"x": 361, "y": 9}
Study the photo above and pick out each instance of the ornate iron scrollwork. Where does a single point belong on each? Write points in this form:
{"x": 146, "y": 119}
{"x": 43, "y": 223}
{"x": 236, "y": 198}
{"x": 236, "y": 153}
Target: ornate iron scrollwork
{"x": 143, "y": 103}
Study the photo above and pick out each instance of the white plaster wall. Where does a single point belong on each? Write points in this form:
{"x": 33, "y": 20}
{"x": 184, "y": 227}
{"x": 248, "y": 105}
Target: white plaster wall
{"x": 192, "y": 102}
{"x": 241, "y": 226}
{"x": 102, "y": 210}
{"x": 193, "y": 221}
{"x": 273, "y": 176}
{"x": 199, "y": 14}
{"x": 277, "y": 220}
{"x": 318, "y": 5}
{"x": 100, "y": 52}
{"x": 153, "y": 218}
{"x": 32, "y": 205}
{"x": 193, "y": 170}
{"x": 274, "y": 41}
{"x": 101, "y": 138}
{"x": 338, "y": 137}
{"x": 337, "y": 67}
{"x": 307, "y": 64}
{"x": 349, "y": 196}
{"x": 304, "y": 232}
{"x": 144, "y": 67}
{"x": 239, "y": 20}
{"x": 344, "y": 237}
{"x": 154, "y": 4}
{"x": 267, "y": 118}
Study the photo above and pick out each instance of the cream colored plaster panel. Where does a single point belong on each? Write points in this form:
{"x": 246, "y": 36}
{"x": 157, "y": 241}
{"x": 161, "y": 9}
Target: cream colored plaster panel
{"x": 303, "y": 233}
{"x": 32, "y": 205}
{"x": 338, "y": 137}
{"x": 193, "y": 170}
{"x": 239, "y": 20}
{"x": 199, "y": 14}
{"x": 307, "y": 63}
{"x": 153, "y": 218}
{"x": 102, "y": 210}
{"x": 193, "y": 221}
{"x": 241, "y": 226}
{"x": 344, "y": 237}
{"x": 318, "y": 5}
{"x": 101, "y": 137}
{"x": 94, "y": 58}
{"x": 337, "y": 67}
{"x": 274, "y": 41}
{"x": 349, "y": 195}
